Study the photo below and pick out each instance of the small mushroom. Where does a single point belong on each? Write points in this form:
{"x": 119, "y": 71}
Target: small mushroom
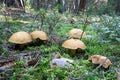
{"x": 39, "y": 35}
{"x": 98, "y": 59}
{"x": 73, "y": 20}
{"x": 76, "y": 33}
{"x": 58, "y": 55}
{"x": 74, "y": 44}
{"x": 20, "y": 38}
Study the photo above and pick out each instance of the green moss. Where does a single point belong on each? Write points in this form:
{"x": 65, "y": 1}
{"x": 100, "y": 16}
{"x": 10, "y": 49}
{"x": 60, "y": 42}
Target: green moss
{"x": 81, "y": 65}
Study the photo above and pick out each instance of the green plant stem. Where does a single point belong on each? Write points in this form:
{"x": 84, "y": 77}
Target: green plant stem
{"x": 84, "y": 26}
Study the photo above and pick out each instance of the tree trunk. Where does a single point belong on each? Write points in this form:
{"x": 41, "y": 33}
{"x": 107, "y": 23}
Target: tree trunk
{"x": 118, "y": 7}
{"x": 66, "y": 4}
{"x": 82, "y": 5}
{"x": 72, "y": 5}
{"x": 17, "y": 3}
{"x": 76, "y": 6}
{"x": 22, "y": 4}
{"x": 114, "y": 6}
{"x": 38, "y": 4}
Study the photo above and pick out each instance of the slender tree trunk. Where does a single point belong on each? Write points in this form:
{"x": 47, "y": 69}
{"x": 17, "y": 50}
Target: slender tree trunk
{"x": 82, "y": 5}
{"x": 114, "y": 6}
{"x": 38, "y": 4}
{"x": 22, "y": 2}
{"x": 66, "y": 3}
{"x": 76, "y": 6}
{"x": 118, "y": 7}
{"x": 72, "y": 5}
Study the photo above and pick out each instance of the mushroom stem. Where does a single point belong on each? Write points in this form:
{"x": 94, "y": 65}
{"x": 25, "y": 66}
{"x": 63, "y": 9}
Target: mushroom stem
{"x": 38, "y": 41}
{"x": 75, "y": 38}
{"x": 20, "y": 46}
{"x": 73, "y": 51}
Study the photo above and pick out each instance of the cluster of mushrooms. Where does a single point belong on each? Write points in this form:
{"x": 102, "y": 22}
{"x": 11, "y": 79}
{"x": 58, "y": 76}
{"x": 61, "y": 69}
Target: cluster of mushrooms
{"x": 21, "y": 38}
{"x": 73, "y": 44}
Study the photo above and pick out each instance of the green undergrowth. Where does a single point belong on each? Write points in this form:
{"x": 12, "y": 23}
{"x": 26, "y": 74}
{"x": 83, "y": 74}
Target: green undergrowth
{"x": 82, "y": 69}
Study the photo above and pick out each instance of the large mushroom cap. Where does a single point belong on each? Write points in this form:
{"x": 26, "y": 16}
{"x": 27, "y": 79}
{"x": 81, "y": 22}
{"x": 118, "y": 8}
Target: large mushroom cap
{"x": 20, "y": 37}
{"x": 39, "y": 34}
{"x": 76, "y": 33}
{"x": 74, "y": 44}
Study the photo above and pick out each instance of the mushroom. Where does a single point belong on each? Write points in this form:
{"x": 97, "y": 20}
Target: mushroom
{"x": 58, "y": 55}
{"x": 20, "y": 38}
{"x": 73, "y": 20}
{"x": 76, "y": 33}
{"x": 98, "y": 59}
{"x": 39, "y": 35}
{"x": 74, "y": 44}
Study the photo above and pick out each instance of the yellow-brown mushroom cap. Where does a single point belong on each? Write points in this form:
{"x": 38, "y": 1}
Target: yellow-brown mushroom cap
{"x": 39, "y": 34}
{"x": 74, "y": 44}
{"x": 76, "y": 33}
{"x": 98, "y": 59}
{"x": 20, "y": 37}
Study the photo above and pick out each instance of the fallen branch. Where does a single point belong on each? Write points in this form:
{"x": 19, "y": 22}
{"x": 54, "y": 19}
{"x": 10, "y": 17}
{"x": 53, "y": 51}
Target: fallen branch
{"x": 7, "y": 62}
{"x": 26, "y": 55}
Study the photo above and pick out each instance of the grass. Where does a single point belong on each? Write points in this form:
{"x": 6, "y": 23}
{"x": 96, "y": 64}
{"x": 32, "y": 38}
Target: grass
{"x": 82, "y": 67}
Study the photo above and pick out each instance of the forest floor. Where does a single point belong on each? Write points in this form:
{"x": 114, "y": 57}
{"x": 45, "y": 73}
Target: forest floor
{"x": 13, "y": 60}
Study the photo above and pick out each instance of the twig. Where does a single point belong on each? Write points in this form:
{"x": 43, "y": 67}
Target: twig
{"x": 23, "y": 55}
{"x": 36, "y": 63}
{"x": 100, "y": 65}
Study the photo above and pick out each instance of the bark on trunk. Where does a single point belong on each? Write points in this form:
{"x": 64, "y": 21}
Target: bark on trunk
{"x": 82, "y": 5}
